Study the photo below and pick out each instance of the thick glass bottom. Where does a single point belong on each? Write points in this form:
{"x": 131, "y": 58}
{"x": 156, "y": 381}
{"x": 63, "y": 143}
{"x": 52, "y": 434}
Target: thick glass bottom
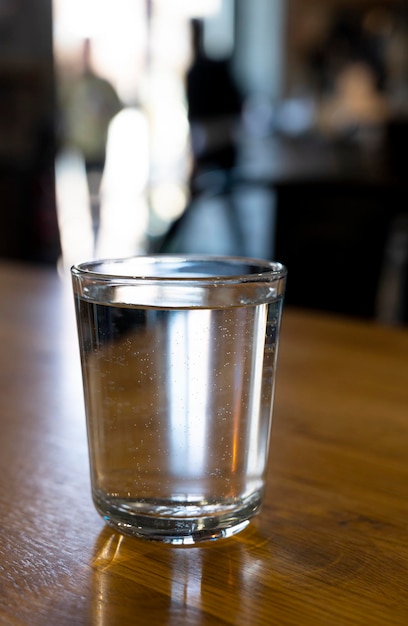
{"x": 176, "y": 522}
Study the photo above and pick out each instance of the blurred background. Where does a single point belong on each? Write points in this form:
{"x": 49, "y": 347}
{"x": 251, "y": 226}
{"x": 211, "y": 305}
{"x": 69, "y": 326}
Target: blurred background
{"x": 266, "y": 128}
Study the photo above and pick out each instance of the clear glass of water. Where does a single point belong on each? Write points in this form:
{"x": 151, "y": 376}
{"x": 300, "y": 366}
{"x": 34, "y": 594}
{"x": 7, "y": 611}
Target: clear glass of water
{"x": 178, "y": 359}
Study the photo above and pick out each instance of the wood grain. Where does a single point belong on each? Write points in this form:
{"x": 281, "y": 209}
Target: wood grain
{"x": 329, "y": 548}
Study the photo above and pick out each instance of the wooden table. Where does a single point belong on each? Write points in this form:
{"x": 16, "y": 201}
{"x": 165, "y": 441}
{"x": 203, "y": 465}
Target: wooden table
{"x": 329, "y": 548}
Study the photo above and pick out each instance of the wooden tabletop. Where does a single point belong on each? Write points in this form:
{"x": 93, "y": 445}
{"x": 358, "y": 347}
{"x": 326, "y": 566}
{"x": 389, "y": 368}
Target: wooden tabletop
{"x": 329, "y": 548}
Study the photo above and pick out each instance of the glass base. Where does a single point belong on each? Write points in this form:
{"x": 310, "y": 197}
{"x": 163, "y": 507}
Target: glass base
{"x": 175, "y": 523}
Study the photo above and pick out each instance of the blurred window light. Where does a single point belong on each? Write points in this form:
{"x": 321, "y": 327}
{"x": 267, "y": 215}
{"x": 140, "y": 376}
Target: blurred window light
{"x": 118, "y": 34}
{"x": 79, "y": 19}
{"x": 124, "y": 210}
{"x": 219, "y": 31}
{"x": 148, "y": 160}
{"x": 190, "y": 8}
{"x": 73, "y": 209}
{"x": 168, "y": 201}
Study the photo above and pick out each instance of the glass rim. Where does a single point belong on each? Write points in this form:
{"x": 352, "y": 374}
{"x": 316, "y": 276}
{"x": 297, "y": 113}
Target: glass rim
{"x": 270, "y": 270}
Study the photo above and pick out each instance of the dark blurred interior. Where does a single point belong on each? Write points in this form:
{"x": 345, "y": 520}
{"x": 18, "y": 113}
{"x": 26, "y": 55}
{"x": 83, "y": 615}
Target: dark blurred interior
{"x": 29, "y": 228}
{"x": 297, "y": 117}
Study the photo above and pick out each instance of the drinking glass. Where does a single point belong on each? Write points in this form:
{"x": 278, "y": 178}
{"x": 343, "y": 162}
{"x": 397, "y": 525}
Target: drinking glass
{"x": 178, "y": 359}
